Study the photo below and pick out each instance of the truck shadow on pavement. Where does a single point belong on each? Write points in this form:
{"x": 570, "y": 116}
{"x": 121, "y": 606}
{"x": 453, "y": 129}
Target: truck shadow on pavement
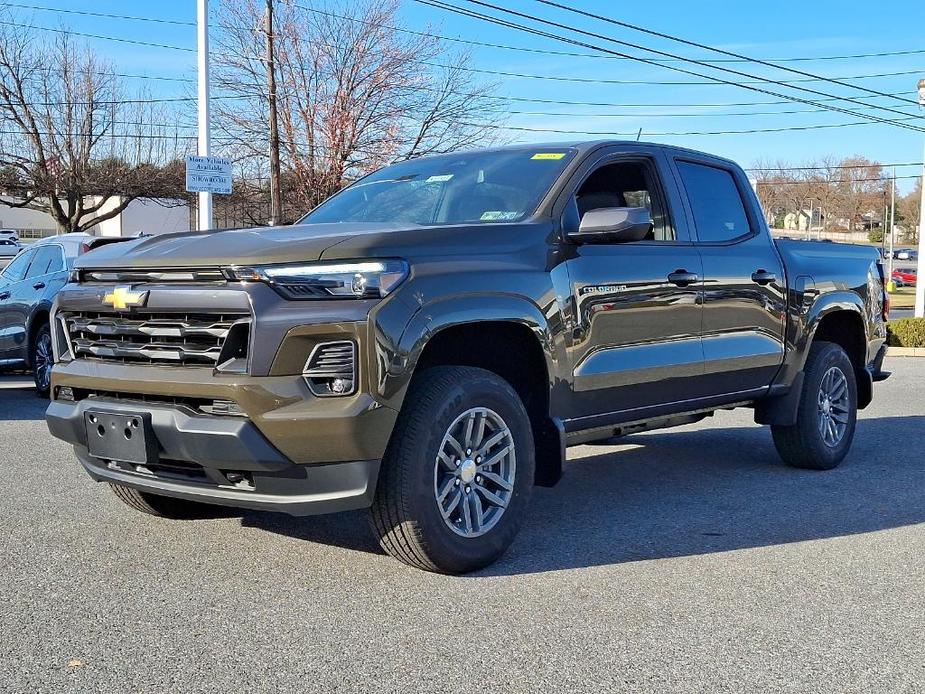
{"x": 687, "y": 493}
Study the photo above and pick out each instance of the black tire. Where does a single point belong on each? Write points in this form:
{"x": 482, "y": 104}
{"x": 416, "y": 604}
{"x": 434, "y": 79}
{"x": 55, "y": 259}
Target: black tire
{"x": 166, "y": 506}
{"x": 405, "y": 514}
{"x": 803, "y": 444}
{"x": 40, "y": 359}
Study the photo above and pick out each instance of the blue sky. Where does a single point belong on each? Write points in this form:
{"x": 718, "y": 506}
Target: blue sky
{"x": 783, "y": 29}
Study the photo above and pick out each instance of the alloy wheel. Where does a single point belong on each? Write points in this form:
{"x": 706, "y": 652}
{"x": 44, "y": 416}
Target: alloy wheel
{"x": 834, "y": 406}
{"x": 474, "y": 472}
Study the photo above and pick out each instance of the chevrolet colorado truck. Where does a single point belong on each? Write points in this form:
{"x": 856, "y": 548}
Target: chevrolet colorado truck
{"x": 428, "y": 341}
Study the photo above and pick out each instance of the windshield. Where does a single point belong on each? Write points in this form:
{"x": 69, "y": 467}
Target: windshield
{"x": 471, "y": 188}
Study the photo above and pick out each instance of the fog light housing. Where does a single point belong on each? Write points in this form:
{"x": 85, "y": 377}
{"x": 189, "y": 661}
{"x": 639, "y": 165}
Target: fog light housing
{"x": 331, "y": 369}
{"x": 64, "y": 393}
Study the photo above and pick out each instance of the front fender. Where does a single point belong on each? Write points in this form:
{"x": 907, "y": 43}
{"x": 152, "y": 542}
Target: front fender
{"x": 447, "y": 312}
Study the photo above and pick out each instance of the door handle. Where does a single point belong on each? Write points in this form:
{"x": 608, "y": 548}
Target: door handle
{"x": 38, "y": 285}
{"x": 4, "y": 295}
{"x": 682, "y": 278}
{"x": 763, "y": 277}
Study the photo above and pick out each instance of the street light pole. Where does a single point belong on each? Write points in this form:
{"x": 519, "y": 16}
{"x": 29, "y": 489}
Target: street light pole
{"x": 202, "y": 26}
{"x": 920, "y": 285}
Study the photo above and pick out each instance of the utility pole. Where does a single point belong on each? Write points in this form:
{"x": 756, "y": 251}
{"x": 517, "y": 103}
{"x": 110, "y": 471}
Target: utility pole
{"x": 202, "y": 26}
{"x": 889, "y": 276}
{"x": 276, "y": 203}
{"x": 920, "y": 286}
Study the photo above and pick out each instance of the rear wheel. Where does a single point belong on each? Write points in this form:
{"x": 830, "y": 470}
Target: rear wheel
{"x": 42, "y": 359}
{"x": 827, "y": 413}
{"x": 458, "y": 473}
{"x": 165, "y": 506}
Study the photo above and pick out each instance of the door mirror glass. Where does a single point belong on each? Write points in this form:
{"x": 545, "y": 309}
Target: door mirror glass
{"x": 614, "y": 225}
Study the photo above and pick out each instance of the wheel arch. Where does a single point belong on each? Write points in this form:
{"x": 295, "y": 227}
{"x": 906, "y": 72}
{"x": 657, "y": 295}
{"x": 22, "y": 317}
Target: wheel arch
{"x": 842, "y": 322}
{"x": 507, "y": 335}
{"x": 40, "y": 316}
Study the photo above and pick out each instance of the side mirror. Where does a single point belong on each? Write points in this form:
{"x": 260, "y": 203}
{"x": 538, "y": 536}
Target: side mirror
{"x": 613, "y": 225}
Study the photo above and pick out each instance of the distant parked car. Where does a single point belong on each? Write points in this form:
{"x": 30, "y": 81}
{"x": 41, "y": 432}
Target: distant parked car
{"x": 28, "y": 285}
{"x": 906, "y": 254}
{"x": 905, "y": 275}
{"x": 9, "y": 234}
{"x": 8, "y": 251}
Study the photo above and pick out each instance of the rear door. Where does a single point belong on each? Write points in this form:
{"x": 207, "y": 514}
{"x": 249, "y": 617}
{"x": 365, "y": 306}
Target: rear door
{"x": 635, "y": 342}
{"x": 744, "y": 287}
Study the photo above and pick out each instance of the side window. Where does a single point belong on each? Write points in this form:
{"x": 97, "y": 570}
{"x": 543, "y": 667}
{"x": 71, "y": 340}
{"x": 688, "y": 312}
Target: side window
{"x": 47, "y": 259}
{"x": 16, "y": 270}
{"x": 719, "y": 213}
{"x": 625, "y": 184}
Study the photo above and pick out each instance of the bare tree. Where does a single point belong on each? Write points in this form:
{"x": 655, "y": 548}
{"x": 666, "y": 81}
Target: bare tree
{"x": 860, "y": 189}
{"x": 352, "y": 93}
{"x": 70, "y": 144}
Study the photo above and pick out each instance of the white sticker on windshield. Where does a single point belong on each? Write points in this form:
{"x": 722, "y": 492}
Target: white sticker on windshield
{"x": 498, "y": 216}
{"x": 439, "y": 179}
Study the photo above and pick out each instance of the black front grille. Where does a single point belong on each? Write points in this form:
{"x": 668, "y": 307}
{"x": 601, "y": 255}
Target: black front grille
{"x": 180, "y": 339}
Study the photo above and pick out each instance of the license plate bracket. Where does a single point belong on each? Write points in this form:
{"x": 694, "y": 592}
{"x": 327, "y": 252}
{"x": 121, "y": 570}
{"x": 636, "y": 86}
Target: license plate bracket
{"x": 126, "y": 438}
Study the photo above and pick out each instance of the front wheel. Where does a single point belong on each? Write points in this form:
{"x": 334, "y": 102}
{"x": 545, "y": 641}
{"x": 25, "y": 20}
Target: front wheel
{"x": 827, "y": 413}
{"x": 42, "y": 360}
{"x": 457, "y": 476}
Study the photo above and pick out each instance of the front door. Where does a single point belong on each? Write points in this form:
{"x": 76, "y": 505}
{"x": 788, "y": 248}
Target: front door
{"x": 11, "y": 280}
{"x": 635, "y": 342}
{"x": 744, "y": 290}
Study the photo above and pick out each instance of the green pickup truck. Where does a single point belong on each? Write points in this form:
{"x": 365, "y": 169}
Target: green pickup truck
{"x": 430, "y": 340}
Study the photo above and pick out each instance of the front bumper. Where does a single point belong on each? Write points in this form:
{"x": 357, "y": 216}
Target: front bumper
{"x": 219, "y": 460}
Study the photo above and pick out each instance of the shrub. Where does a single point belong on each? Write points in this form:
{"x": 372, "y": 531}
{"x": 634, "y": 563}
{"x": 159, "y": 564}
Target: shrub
{"x": 875, "y": 235}
{"x": 907, "y": 332}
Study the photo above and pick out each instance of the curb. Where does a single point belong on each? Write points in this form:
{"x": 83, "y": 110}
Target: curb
{"x": 905, "y": 352}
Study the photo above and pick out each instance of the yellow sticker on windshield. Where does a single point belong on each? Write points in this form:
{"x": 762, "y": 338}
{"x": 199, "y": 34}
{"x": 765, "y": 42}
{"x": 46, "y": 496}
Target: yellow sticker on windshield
{"x": 548, "y": 155}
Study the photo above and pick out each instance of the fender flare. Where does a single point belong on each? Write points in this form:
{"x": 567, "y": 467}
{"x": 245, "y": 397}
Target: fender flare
{"x": 824, "y": 306}
{"x": 433, "y": 318}
{"x": 448, "y": 312}
{"x": 43, "y": 307}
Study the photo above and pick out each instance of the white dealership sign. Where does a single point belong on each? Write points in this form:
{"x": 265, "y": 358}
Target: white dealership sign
{"x": 208, "y": 175}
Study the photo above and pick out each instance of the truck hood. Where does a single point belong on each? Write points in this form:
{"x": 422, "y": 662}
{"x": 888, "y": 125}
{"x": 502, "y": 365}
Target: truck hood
{"x": 228, "y": 247}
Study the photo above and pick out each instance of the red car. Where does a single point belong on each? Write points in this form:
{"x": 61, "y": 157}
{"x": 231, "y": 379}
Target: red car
{"x": 904, "y": 275}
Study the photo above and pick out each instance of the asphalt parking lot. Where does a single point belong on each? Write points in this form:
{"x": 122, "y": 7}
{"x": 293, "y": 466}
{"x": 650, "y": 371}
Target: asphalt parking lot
{"x": 684, "y": 560}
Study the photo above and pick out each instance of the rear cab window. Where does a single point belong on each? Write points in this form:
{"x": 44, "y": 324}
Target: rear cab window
{"x": 715, "y": 201}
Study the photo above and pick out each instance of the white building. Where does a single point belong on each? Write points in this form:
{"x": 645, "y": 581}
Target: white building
{"x": 149, "y": 216}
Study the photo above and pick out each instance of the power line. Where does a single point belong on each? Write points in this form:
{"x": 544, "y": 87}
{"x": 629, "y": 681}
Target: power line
{"x": 834, "y": 166}
{"x": 676, "y": 134}
{"x": 546, "y": 51}
{"x": 520, "y": 27}
{"x": 711, "y": 81}
{"x": 840, "y": 180}
{"x": 703, "y": 46}
{"x": 672, "y": 55}
{"x": 105, "y": 15}
{"x": 100, "y": 36}
{"x": 599, "y": 104}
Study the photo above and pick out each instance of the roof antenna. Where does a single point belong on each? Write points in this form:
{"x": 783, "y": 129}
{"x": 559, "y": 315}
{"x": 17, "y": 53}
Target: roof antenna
{"x": 639, "y": 134}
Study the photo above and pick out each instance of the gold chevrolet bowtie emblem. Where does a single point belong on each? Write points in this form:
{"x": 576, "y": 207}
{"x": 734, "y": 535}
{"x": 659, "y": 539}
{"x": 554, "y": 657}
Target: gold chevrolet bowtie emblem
{"x": 122, "y": 298}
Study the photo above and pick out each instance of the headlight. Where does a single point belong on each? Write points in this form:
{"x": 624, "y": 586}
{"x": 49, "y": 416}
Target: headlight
{"x": 353, "y": 280}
